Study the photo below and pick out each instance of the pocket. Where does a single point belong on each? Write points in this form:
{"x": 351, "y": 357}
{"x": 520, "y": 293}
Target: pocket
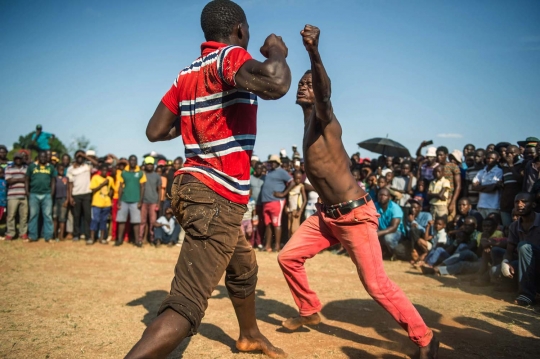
{"x": 196, "y": 210}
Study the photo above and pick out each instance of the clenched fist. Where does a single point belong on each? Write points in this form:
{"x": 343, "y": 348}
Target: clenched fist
{"x": 310, "y": 37}
{"x": 273, "y": 41}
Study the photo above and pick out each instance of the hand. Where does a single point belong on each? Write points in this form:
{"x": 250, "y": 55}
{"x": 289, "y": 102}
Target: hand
{"x": 139, "y": 205}
{"x": 166, "y": 225}
{"x": 278, "y": 194}
{"x": 423, "y": 144}
{"x": 430, "y": 223}
{"x": 106, "y": 182}
{"x": 296, "y": 214}
{"x": 274, "y": 41}
{"x": 310, "y": 37}
{"x": 506, "y": 269}
{"x": 65, "y": 204}
{"x": 414, "y": 225}
{"x": 119, "y": 206}
{"x": 72, "y": 201}
{"x": 410, "y": 175}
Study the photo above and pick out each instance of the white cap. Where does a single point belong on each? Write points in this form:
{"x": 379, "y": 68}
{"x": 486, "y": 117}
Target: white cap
{"x": 431, "y": 152}
{"x": 254, "y": 158}
{"x": 90, "y": 153}
{"x": 283, "y": 152}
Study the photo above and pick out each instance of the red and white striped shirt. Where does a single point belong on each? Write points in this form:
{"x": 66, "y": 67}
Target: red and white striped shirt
{"x": 218, "y": 121}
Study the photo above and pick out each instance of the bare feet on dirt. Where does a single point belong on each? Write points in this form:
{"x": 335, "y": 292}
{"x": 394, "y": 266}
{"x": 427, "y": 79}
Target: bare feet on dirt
{"x": 259, "y": 343}
{"x": 297, "y": 322}
{"x": 431, "y": 351}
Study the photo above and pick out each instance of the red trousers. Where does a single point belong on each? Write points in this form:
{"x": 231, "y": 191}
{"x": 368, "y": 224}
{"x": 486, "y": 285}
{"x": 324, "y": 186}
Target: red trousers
{"x": 357, "y": 232}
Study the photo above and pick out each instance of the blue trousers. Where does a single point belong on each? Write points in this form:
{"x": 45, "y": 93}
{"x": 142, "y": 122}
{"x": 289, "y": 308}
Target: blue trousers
{"x": 529, "y": 269}
{"x": 165, "y": 238}
{"x": 100, "y": 215}
{"x": 40, "y": 204}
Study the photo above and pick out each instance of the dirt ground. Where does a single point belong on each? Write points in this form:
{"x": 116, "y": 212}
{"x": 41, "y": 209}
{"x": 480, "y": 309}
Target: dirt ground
{"x": 68, "y": 300}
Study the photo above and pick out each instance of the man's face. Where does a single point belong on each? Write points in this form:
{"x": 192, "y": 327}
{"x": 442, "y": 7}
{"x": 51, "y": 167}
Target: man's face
{"x": 439, "y": 225}
{"x": 491, "y": 160}
{"x": 467, "y": 150}
{"x": 42, "y": 158}
{"x": 38, "y": 130}
{"x": 415, "y": 209}
{"x": 79, "y": 158}
{"x": 274, "y": 165}
{"x": 356, "y": 175}
{"x": 502, "y": 152}
{"x": 529, "y": 153}
{"x": 60, "y": 169}
{"x": 469, "y": 160}
{"x": 383, "y": 196}
{"x": 286, "y": 166}
{"x": 490, "y": 148}
{"x": 18, "y": 161}
{"x": 381, "y": 182}
{"x": 177, "y": 164}
{"x": 469, "y": 226}
{"x": 441, "y": 157}
{"x": 304, "y": 94}
{"x": 3, "y": 154}
{"x": 464, "y": 207}
{"x": 431, "y": 160}
{"x": 511, "y": 153}
{"x": 258, "y": 170}
{"x": 389, "y": 161}
{"x": 405, "y": 169}
{"x": 389, "y": 176}
{"x": 479, "y": 157}
{"x": 372, "y": 181}
{"x": 65, "y": 160}
{"x": 49, "y": 155}
{"x": 523, "y": 204}
{"x": 488, "y": 227}
{"x": 132, "y": 161}
{"x": 149, "y": 167}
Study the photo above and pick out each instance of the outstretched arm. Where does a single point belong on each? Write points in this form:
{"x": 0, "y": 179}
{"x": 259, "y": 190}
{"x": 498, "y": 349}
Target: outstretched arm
{"x": 320, "y": 80}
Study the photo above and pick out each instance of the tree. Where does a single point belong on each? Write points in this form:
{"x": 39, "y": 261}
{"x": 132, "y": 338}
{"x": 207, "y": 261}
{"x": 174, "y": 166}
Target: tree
{"x": 26, "y": 141}
{"x": 80, "y": 143}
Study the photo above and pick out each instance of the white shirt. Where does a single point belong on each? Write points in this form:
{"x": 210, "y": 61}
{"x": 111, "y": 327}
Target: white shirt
{"x": 170, "y": 222}
{"x": 80, "y": 177}
{"x": 483, "y": 177}
{"x": 312, "y": 197}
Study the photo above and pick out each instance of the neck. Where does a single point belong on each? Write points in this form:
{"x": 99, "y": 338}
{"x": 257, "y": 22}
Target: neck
{"x": 490, "y": 167}
{"x": 385, "y": 206}
{"x": 529, "y": 218}
{"x": 308, "y": 110}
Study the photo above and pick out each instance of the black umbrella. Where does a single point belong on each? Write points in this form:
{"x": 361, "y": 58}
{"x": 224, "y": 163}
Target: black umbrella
{"x": 385, "y": 147}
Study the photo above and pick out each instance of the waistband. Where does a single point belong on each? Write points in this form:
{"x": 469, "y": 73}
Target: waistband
{"x": 337, "y": 210}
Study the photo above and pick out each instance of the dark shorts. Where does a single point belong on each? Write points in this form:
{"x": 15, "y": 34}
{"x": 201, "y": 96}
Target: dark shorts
{"x": 214, "y": 244}
{"x": 59, "y": 211}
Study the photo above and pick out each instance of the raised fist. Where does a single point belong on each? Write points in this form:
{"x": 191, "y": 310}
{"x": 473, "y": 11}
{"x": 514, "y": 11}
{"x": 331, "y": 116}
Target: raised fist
{"x": 310, "y": 37}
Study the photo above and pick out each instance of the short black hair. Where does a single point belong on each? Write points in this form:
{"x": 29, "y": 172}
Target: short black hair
{"x": 443, "y": 149}
{"x": 218, "y": 18}
{"x": 493, "y": 153}
{"x": 308, "y": 72}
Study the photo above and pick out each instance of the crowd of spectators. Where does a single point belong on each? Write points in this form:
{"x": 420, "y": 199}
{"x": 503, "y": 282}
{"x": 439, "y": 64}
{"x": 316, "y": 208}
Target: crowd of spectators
{"x": 449, "y": 213}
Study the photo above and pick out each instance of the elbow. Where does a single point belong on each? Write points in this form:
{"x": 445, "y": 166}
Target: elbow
{"x": 152, "y": 137}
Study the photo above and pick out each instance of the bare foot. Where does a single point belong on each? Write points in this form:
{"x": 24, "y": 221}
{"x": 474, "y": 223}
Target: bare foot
{"x": 259, "y": 343}
{"x": 431, "y": 351}
{"x": 297, "y": 322}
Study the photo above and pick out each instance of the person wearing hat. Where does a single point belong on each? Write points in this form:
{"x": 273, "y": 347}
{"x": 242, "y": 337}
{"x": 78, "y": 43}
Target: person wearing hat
{"x": 151, "y": 200}
{"x": 17, "y": 201}
{"x": 130, "y": 194}
{"x": 275, "y": 188}
{"x": 42, "y": 141}
{"x": 529, "y": 142}
{"x": 425, "y": 170}
{"x": 80, "y": 195}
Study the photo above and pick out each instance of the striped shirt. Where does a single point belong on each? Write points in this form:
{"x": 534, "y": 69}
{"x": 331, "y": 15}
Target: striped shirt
{"x": 16, "y": 190}
{"x": 218, "y": 122}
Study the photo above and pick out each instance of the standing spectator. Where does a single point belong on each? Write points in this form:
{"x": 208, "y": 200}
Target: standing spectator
{"x": 102, "y": 191}
{"x": 40, "y": 183}
{"x": 3, "y": 196}
{"x": 246, "y": 225}
{"x": 276, "y": 186}
{"x": 59, "y": 213}
{"x": 166, "y": 229}
{"x": 453, "y": 175}
{"x": 151, "y": 199}
{"x": 391, "y": 230}
{"x": 66, "y": 162}
{"x": 117, "y": 175}
{"x": 17, "y": 198}
{"x": 404, "y": 183}
{"x": 296, "y": 202}
{"x": 468, "y": 149}
{"x": 438, "y": 194}
{"x": 470, "y": 174}
{"x": 420, "y": 194}
{"x": 531, "y": 167}
{"x": 131, "y": 194}
{"x": 42, "y": 140}
{"x": 256, "y": 182}
{"x": 176, "y": 165}
{"x": 425, "y": 170}
{"x": 3, "y": 156}
{"x": 80, "y": 195}
{"x": 487, "y": 182}
{"x": 513, "y": 170}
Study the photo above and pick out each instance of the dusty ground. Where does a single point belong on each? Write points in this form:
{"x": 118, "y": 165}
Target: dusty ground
{"x": 67, "y": 300}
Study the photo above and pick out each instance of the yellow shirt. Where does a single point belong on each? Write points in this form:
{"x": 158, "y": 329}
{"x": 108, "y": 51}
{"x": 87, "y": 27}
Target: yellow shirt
{"x": 496, "y": 234}
{"x": 101, "y": 197}
{"x": 435, "y": 187}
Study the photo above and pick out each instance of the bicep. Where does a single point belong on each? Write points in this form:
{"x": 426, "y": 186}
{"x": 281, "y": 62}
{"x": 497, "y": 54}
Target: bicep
{"x": 161, "y": 123}
{"x": 395, "y": 222}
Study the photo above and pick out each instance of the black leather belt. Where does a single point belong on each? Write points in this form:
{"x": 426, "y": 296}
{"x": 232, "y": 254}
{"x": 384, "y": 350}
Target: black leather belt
{"x": 336, "y": 210}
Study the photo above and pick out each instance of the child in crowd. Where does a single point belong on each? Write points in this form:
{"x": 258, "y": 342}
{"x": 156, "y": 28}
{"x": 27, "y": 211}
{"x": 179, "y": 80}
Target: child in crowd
{"x": 3, "y": 196}
{"x": 434, "y": 242}
{"x": 438, "y": 193}
{"x": 490, "y": 240}
{"x": 420, "y": 194}
{"x": 358, "y": 177}
{"x": 296, "y": 202}
{"x": 247, "y": 221}
{"x": 166, "y": 229}
{"x": 60, "y": 203}
{"x": 102, "y": 192}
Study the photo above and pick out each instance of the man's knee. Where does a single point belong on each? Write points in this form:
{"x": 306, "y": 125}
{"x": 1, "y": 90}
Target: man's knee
{"x": 243, "y": 285}
{"x": 525, "y": 249}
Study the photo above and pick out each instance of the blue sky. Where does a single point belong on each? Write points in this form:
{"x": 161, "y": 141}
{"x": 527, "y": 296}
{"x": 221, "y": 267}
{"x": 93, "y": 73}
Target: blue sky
{"x": 450, "y": 71}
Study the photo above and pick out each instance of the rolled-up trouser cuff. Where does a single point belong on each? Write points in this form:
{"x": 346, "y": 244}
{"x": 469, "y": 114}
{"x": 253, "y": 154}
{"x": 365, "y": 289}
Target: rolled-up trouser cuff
{"x": 185, "y": 308}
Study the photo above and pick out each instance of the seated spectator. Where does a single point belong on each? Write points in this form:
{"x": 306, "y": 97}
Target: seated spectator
{"x": 436, "y": 239}
{"x": 404, "y": 183}
{"x": 102, "y": 192}
{"x": 488, "y": 182}
{"x": 465, "y": 210}
{"x": 438, "y": 194}
{"x": 59, "y": 213}
{"x": 492, "y": 243}
{"x": 524, "y": 237}
{"x": 416, "y": 224}
{"x": 391, "y": 231}
{"x": 166, "y": 229}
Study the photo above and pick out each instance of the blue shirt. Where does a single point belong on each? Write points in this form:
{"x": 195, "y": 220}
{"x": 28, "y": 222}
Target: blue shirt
{"x": 392, "y": 211}
{"x": 43, "y": 140}
{"x": 3, "y": 192}
{"x": 421, "y": 221}
{"x": 275, "y": 181}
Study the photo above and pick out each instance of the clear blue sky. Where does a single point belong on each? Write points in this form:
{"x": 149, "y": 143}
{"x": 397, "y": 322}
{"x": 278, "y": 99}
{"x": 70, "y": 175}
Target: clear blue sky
{"x": 451, "y": 71}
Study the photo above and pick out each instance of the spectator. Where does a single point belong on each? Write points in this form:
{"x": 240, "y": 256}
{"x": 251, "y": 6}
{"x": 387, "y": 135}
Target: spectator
{"x": 296, "y": 203}
{"x": 488, "y": 182}
{"x": 40, "y": 183}
{"x": 150, "y": 201}
{"x": 404, "y": 183}
{"x": 490, "y": 147}
{"x": 117, "y": 175}
{"x": 166, "y": 229}
{"x": 492, "y": 244}
{"x": 513, "y": 170}
{"x": 465, "y": 210}
{"x": 438, "y": 194}
{"x": 531, "y": 170}
{"x": 246, "y": 225}
{"x": 388, "y": 167}
{"x": 102, "y": 192}
{"x": 59, "y": 213}
{"x": 17, "y": 198}
{"x": 529, "y": 153}
{"x": 435, "y": 237}
{"x": 428, "y": 164}
{"x": 277, "y": 185}
{"x": 391, "y": 231}
{"x": 42, "y": 141}
{"x": 256, "y": 182}
{"x": 420, "y": 195}
{"x": 524, "y": 237}
{"x": 176, "y": 165}
{"x": 80, "y": 195}
{"x": 3, "y": 196}
{"x": 130, "y": 194}
{"x": 416, "y": 224}
{"x": 453, "y": 175}
{"x": 470, "y": 174}
{"x": 469, "y": 149}
{"x": 3, "y": 157}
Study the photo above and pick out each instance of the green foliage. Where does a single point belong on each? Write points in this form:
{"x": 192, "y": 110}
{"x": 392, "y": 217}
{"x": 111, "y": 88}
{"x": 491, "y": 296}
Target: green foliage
{"x": 25, "y": 142}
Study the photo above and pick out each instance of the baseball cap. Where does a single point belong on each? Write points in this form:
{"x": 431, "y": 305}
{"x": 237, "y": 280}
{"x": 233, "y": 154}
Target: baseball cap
{"x": 161, "y": 163}
{"x": 431, "y": 152}
{"x": 39, "y": 127}
{"x": 274, "y": 158}
{"x": 149, "y": 160}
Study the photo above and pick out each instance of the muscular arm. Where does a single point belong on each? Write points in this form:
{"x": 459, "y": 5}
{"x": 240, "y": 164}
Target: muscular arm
{"x": 163, "y": 126}
{"x": 457, "y": 187}
{"x": 270, "y": 80}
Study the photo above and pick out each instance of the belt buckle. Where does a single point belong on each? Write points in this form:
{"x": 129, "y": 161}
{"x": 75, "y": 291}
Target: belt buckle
{"x": 333, "y": 213}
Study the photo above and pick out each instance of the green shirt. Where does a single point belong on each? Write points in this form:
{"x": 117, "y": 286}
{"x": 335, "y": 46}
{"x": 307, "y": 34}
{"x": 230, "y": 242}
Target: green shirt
{"x": 132, "y": 186}
{"x": 40, "y": 178}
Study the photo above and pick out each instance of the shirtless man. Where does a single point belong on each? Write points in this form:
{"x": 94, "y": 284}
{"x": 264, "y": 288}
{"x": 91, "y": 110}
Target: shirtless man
{"x": 351, "y": 219}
